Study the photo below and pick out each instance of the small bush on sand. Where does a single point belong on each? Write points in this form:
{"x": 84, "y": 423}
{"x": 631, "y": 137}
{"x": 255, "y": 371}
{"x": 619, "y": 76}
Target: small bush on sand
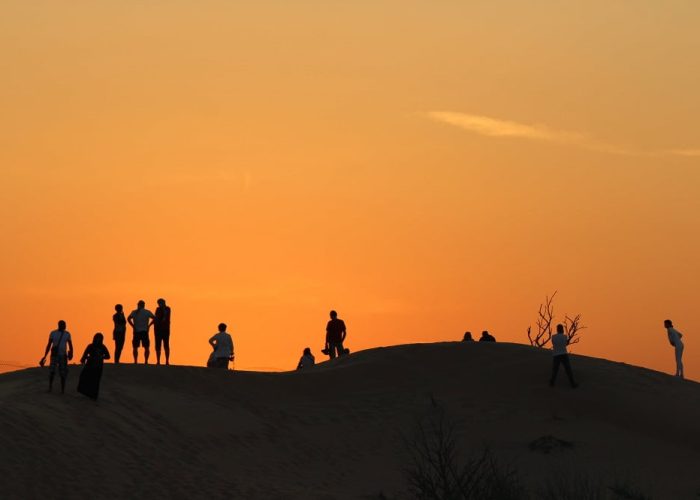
{"x": 439, "y": 471}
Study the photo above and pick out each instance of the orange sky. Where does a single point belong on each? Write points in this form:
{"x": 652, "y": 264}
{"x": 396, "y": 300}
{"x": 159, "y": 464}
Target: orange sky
{"x": 422, "y": 167}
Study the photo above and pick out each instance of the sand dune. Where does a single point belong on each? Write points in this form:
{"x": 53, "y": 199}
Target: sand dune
{"x": 335, "y": 431}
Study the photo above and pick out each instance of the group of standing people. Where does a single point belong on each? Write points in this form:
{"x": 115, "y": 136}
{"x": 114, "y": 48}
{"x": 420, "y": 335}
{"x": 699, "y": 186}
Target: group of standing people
{"x": 141, "y": 320}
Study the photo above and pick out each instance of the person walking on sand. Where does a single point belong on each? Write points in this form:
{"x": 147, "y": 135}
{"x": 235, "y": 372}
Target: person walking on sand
{"x": 487, "y": 337}
{"x": 307, "y": 360}
{"x": 119, "y": 333}
{"x": 61, "y": 348}
{"x": 141, "y": 320}
{"x": 560, "y": 356}
{"x": 222, "y": 343}
{"x": 92, "y": 361}
{"x": 335, "y": 336}
{"x": 674, "y": 337}
{"x": 161, "y": 330}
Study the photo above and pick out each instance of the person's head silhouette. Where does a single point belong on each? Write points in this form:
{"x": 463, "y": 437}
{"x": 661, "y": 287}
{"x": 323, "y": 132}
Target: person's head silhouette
{"x": 467, "y": 336}
{"x": 668, "y": 323}
{"x": 141, "y": 304}
{"x": 560, "y": 328}
{"x": 222, "y": 327}
{"x": 307, "y": 351}
{"x": 119, "y": 308}
{"x": 61, "y": 325}
{"x": 161, "y": 302}
{"x": 485, "y": 333}
{"x": 98, "y": 339}
{"x": 334, "y": 314}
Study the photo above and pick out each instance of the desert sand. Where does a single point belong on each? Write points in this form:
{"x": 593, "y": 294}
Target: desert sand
{"x": 335, "y": 431}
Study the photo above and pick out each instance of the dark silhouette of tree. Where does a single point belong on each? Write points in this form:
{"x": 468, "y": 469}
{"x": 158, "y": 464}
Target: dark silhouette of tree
{"x": 545, "y": 324}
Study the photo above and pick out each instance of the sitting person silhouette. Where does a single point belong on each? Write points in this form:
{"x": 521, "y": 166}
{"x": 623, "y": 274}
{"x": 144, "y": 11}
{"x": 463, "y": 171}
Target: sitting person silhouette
{"x": 468, "y": 337}
{"x": 222, "y": 343}
{"x": 307, "y": 360}
{"x": 92, "y": 359}
{"x": 487, "y": 337}
{"x": 560, "y": 356}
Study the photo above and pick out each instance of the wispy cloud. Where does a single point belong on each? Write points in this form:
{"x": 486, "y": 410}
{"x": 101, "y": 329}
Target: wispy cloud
{"x": 493, "y": 127}
{"x": 685, "y": 152}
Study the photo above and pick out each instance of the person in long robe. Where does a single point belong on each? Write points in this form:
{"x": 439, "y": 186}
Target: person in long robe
{"x": 92, "y": 361}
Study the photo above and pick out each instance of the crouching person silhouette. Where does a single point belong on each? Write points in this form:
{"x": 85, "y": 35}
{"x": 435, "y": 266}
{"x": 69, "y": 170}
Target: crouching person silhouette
{"x": 307, "y": 360}
{"x": 61, "y": 348}
{"x": 92, "y": 361}
{"x": 560, "y": 356}
{"x": 222, "y": 343}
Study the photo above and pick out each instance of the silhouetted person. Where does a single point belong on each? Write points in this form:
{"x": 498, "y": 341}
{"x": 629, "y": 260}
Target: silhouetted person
{"x": 335, "y": 335}
{"x": 674, "y": 337}
{"x": 161, "y": 330}
{"x": 92, "y": 361}
{"x": 468, "y": 337}
{"x": 222, "y": 343}
{"x": 119, "y": 334}
{"x": 487, "y": 337}
{"x": 141, "y": 320}
{"x": 61, "y": 348}
{"x": 559, "y": 356}
{"x": 307, "y": 360}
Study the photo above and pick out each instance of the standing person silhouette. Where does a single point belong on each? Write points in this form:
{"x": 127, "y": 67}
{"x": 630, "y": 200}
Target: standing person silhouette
{"x": 222, "y": 343}
{"x": 560, "y": 356}
{"x": 119, "y": 334}
{"x": 161, "y": 330}
{"x": 141, "y": 320}
{"x": 92, "y": 361}
{"x": 335, "y": 336}
{"x": 674, "y": 337}
{"x": 61, "y": 348}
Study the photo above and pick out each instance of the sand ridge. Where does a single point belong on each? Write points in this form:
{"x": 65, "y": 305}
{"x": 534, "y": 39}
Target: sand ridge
{"x": 335, "y": 431}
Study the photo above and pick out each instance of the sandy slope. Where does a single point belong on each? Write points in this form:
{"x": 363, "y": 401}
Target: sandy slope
{"x": 334, "y": 431}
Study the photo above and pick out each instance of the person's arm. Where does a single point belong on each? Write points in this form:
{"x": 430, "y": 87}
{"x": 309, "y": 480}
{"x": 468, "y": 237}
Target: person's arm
{"x": 105, "y": 352}
{"x": 70, "y": 348}
{"x": 46, "y": 352}
{"x": 344, "y": 333}
{"x": 84, "y": 357}
{"x": 130, "y": 319}
{"x": 152, "y": 319}
{"x": 213, "y": 342}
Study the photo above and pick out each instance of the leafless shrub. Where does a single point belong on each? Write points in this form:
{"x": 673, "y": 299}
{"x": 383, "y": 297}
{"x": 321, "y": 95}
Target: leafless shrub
{"x": 438, "y": 471}
{"x": 545, "y": 323}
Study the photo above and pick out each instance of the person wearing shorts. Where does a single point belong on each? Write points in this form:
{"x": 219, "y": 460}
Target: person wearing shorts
{"x": 161, "y": 330}
{"x": 61, "y": 348}
{"x": 141, "y": 320}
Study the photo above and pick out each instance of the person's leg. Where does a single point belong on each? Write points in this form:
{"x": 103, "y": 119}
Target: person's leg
{"x": 135, "y": 344}
{"x": 567, "y": 367}
{"x": 118, "y": 346}
{"x": 555, "y": 368}
{"x": 166, "y": 346}
{"x": 52, "y": 371}
{"x": 341, "y": 349}
{"x": 679, "y": 361}
{"x": 63, "y": 371}
{"x": 147, "y": 346}
{"x": 331, "y": 350}
{"x": 159, "y": 340}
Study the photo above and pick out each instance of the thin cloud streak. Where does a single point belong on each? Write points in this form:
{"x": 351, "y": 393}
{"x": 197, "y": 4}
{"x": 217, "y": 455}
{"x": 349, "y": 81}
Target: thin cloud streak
{"x": 492, "y": 127}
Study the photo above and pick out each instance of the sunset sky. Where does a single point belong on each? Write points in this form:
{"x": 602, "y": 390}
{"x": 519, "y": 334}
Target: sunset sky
{"x": 422, "y": 167}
